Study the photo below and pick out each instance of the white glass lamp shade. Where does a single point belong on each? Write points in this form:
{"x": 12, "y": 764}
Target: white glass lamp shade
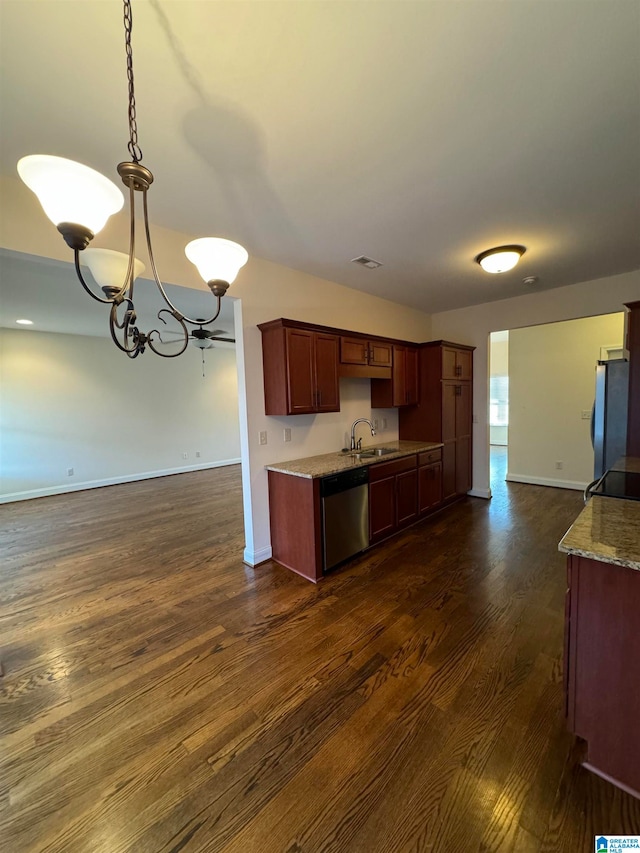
{"x": 108, "y": 267}
{"x": 501, "y": 259}
{"x": 202, "y": 343}
{"x": 216, "y": 258}
{"x": 71, "y": 192}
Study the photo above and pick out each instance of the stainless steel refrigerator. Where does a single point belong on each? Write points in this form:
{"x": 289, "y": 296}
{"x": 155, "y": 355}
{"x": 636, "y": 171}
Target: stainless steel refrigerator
{"x": 609, "y": 417}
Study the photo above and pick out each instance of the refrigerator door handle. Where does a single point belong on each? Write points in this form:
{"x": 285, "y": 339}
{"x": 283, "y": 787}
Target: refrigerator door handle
{"x": 592, "y": 426}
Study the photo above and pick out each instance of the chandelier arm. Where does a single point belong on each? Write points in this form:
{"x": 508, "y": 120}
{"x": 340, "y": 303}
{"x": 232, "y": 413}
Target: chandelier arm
{"x": 76, "y": 253}
{"x": 113, "y": 323}
{"x": 175, "y": 311}
{"x": 157, "y": 332}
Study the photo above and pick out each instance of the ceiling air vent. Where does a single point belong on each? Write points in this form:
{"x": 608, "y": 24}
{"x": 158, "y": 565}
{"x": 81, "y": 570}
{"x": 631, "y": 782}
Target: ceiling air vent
{"x": 364, "y": 261}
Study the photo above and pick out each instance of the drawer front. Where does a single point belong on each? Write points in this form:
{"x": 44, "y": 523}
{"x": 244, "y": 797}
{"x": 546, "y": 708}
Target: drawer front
{"x": 430, "y": 456}
{"x": 389, "y": 469}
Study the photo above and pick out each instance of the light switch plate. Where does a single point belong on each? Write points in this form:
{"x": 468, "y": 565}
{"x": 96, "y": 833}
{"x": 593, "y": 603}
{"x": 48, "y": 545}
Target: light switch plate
{"x": 287, "y": 433}
{"x": 263, "y": 436}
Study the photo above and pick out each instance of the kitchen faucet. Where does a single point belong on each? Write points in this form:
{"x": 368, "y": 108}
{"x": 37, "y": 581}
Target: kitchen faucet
{"x": 357, "y": 446}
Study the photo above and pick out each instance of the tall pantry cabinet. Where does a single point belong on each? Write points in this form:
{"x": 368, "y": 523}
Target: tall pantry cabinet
{"x": 444, "y": 410}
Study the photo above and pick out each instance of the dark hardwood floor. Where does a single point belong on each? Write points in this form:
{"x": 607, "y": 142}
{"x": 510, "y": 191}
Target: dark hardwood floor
{"x": 160, "y": 696}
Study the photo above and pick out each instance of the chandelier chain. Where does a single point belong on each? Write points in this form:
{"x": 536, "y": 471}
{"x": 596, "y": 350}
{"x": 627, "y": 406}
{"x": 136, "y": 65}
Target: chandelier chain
{"x": 134, "y": 148}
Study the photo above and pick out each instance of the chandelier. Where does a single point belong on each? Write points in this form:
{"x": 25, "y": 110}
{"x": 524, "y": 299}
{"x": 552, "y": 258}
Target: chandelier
{"x": 79, "y": 201}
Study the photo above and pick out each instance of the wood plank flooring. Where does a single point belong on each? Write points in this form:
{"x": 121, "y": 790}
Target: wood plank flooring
{"x": 160, "y": 696}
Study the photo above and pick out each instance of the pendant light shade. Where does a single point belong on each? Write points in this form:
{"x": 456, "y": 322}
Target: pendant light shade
{"x": 216, "y": 259}
{"x": 71, "y": 192}
{"x": 501, "y": 259}
{"x": 109, "y": 267}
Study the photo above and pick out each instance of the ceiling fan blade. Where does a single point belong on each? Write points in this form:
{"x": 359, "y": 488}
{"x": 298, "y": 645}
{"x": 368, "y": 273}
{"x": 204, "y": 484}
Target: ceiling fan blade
{"x": 224, "y": 340}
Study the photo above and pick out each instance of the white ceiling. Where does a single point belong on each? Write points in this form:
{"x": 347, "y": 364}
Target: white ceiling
{"x": 418, "y": 133}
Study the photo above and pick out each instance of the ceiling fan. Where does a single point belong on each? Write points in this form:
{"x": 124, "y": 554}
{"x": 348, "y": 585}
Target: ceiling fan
{"x": 205, "y": 338}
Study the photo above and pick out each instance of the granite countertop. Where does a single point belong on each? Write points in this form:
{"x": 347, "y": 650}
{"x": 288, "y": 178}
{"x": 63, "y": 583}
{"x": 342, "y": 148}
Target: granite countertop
{"x": 333, "y": 463}
{"x": 607, "y": 530}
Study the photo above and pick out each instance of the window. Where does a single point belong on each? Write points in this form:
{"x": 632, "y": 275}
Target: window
{"x": 499, "y": 401}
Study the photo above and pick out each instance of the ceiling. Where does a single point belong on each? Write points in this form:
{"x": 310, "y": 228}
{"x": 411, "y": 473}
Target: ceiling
{"x": 417, "y": 133}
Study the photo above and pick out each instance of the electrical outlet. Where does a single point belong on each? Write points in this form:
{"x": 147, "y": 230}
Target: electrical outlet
{"x": 586, "y": 415}
{"x": 558, "y": 466}
{"x": 287, "y": 434}
{"x": 384, "y": 423}
{"x": 197, "y": 454}
{"x": 185, "y": 455}
{"x": 375, "y": 423}
{"x": 263, "y": 436}
{"x": 69, "y": 472}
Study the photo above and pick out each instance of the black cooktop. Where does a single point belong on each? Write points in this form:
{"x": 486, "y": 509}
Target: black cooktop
{"x": 619, "y": 484}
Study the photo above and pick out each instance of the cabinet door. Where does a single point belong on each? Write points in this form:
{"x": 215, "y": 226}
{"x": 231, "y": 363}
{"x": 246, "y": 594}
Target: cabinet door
{"x": 463, "y": 410}
{"x": 407, "y": 497}
{"x": 463, "y": 465}
{"x": 380, "y": 355}
{"x": 382, "y": 508}
{"x": 411, "y": 376}
{"x": 353, "y": 351}
{"x": 327, "y": 392}
{"x": 449, "y": 399}
{"x": 449, "y": 363}
{"x": 300, "y": 371}
{"x": 405, "y": 376}
{"x": 464, "y": 364}
{"x": 429, "y": 487}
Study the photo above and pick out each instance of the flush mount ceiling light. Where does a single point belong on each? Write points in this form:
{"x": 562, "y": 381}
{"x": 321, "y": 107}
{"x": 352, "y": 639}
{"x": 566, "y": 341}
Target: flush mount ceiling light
{"x": 500, "y": 259}
{"x": 25, "y": 322}
{"x": 79, "y": 201}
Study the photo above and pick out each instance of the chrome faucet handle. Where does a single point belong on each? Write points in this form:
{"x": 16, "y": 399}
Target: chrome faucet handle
{"x": 359, "y": 444}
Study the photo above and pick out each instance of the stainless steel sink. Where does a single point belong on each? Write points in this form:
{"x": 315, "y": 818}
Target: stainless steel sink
{"x": 373, "y": 451}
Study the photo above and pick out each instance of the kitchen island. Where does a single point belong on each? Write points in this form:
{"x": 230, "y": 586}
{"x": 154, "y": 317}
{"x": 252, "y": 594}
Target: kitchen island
{"x": 602, "y": 636}
{"x": 404, "y": 485}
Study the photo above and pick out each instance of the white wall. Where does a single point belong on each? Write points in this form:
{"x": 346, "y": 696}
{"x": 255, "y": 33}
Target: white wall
{"x": 552, "y": 382}
{"x": 70, "y": 401}
{"x": 499, "y": 366}
{"x": 473, "y": 326}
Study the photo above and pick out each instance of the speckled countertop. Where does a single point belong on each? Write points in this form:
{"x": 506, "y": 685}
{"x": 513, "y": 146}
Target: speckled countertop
{"x": 333, "y": 463}
{"x": 607, "y": 530}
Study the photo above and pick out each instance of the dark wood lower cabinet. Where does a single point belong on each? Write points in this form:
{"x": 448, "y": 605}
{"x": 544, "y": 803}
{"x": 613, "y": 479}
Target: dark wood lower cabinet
{"x": 382, "y": 508}
{"x": 602, "y": 667}
{"x": 402, "y": 491}
{"x": 429, "y": 487}
{"x": 407, "y": 497}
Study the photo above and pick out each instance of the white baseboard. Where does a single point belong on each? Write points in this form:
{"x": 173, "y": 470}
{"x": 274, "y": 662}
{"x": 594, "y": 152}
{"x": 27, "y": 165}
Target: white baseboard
{"x": 254, "y": 558}
{"x": 546, "y": 481}
{"x": 111, "y": 481}
{"x": 480, "y": 493}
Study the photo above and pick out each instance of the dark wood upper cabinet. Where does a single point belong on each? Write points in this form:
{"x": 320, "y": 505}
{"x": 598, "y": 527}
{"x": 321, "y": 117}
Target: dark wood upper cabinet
{"x": 300, "y": 370}
{"x": 457, "y": 363}
{"x": 365, "y": 352}
{"x": 444, "y": 411}
{"x": 402, "y": 388}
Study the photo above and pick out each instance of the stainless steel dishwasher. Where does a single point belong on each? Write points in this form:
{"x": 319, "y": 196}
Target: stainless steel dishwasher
{"x": 345, "y": 515}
